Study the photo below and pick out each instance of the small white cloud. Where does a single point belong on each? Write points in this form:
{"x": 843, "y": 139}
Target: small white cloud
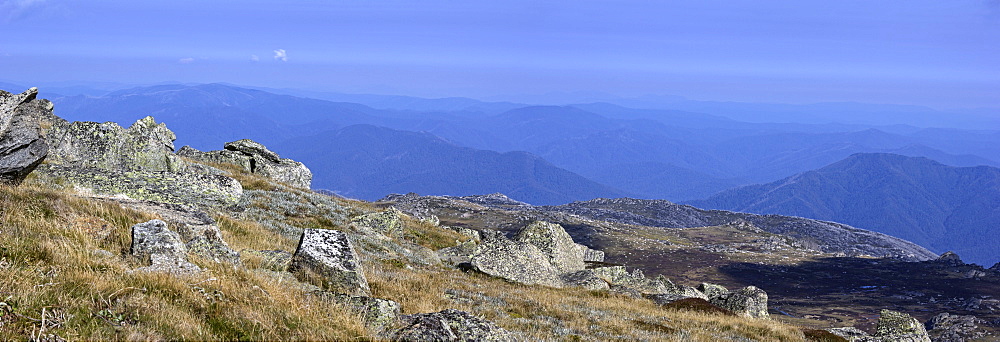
{"x": 185, "y": 60}
{"x": 254, "y": 58}
{"x": 280, "y": 55}
{"x": 14, "y": 10}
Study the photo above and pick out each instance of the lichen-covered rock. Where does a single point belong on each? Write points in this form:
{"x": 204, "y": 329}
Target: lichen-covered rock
{"x": 585, "y": 279}
{"x": 713, "y": 290}
{"x": 449, "y": 325}
{"x": 518, "y": 262}
{"x": 22, "y": 147}
{"x": 593, "y": 255}
{"x": 163, "y": 248}
{"x": 196, "y": 228}
{"x": 327, "y": 257}
{"x": 472, "y": 233}
{"x": 896, "y": 326}
{"x": 168, "y": 187}
{"x": 378, "y": 314}
{"x": 749, "y": 301}
{"x": 564, "y": 254}
{"x": 618, "y": 275}
{"x": 946, "y": 327}
{"x": 851, "y": 334}
{"x": 255, "y": 158}
{"x": 388, "y": 223}
{"x": 458, "y": 254}
{"x": 144, "y": 146}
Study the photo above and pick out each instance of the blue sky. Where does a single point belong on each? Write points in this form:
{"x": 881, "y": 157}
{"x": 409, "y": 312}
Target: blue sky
{"x": 944, "y": 54}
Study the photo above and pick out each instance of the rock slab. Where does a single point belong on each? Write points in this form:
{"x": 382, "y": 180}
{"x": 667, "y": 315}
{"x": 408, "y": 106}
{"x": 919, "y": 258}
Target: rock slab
{"x": 144, "y": 146}
{"x": 449, "y": 325}
{"x": 518, "y": 262}
{"x": 564, "y": 254}
{"x": 255, "y": 158}
{"x": 163, "y": 248}
{"x": 327, "y": 257}
{"x": 946, "y": 327}
{"x": 22, "y": 147}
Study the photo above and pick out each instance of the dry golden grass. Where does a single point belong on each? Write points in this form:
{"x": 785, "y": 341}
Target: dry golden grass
{"x": 240, "y": 234}
{"x": 589, "y": 315}
{"x": 54, "y": 280}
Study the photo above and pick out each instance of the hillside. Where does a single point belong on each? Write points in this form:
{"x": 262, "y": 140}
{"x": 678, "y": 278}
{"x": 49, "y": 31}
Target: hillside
{"x": 818, "y": 274}
{"x": 368, "y": 162}
{"x": 107, "y": 234}
{"x": 943, "y": 208}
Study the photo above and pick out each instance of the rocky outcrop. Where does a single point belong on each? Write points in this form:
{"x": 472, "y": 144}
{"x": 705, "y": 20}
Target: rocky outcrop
{"x": 585, "y": 279}
{"x": 449, "y": 325}
{"x": 168, "y": 187}
{"x": 378, "y": 314}
{"x": 541, "y": 253}
{"x": 198, "y": 231}
{"x": 850, "y": 334}
{"x": 144, "y": 146}
{"x": 327, "y": 258}
{"x": 892, "y": 326}
{"x": 388, "y": 223}
{"x": 950, "y": 258}
{"x": 22, "y": 147}
{"x": 564, "y": 254}
{"x": 162, "y": 248}
{"x": 946, "y": 327}
{"x": 523, "y": 263}
{"x": 899, "y": 327}
{"x": 138, "y": 162}
{"x": 825, "y": 236}
{"x": 495, "y": 199}
{"x": 257, "y": 159}
{"x": 749, "y": 301}
{"x": 619, "y": 276}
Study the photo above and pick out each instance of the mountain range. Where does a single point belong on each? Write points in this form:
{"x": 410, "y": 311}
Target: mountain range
{"x": 943, "y": 208}
{"x": 549, "y": 155}
{"x": 650, "y": 153}
{"x": 368, "y": 162}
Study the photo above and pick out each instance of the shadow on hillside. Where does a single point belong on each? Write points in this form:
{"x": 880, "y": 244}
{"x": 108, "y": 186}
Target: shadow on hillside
{"x": 856, "y": 278}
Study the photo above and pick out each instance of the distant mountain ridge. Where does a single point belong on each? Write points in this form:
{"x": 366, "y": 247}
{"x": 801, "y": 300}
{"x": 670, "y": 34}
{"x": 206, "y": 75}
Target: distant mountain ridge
{"x": 368, "y": 162}
{"x": 937, "y": 206}
{"x": 649, "y": 153}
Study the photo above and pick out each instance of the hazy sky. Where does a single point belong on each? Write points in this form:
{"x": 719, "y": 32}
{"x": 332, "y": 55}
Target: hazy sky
{"x": 943, "y": 53}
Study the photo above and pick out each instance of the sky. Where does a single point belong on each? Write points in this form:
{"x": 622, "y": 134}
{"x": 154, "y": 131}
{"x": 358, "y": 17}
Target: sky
{"x": 943, "y": 54}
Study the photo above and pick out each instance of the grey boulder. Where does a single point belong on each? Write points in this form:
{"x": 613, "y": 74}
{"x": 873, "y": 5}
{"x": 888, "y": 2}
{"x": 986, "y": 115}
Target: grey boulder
{"x": 946, "y": 327}
{"x": 144, "y": 146}
{"x": 892, "y": 326}
{"x": 161, "y": 247}
{"x": 327, "y": 258}
{"x": 518, "y": 262}
{"x": 389, "y": 222}
{"x": 449, "y": 325}
{"x": 255, "y": 158}
{"x": 564, "y": 254}
{"x": 160, "y": 186}
{"x": 749, "y": 301}
{"x": 22, "y": 147}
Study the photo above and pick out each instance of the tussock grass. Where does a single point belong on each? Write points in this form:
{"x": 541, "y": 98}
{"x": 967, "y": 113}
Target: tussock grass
{"x": 54, "y": 279}
{"x": 569, "y": 314}
{"x": 65, "y": 270}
